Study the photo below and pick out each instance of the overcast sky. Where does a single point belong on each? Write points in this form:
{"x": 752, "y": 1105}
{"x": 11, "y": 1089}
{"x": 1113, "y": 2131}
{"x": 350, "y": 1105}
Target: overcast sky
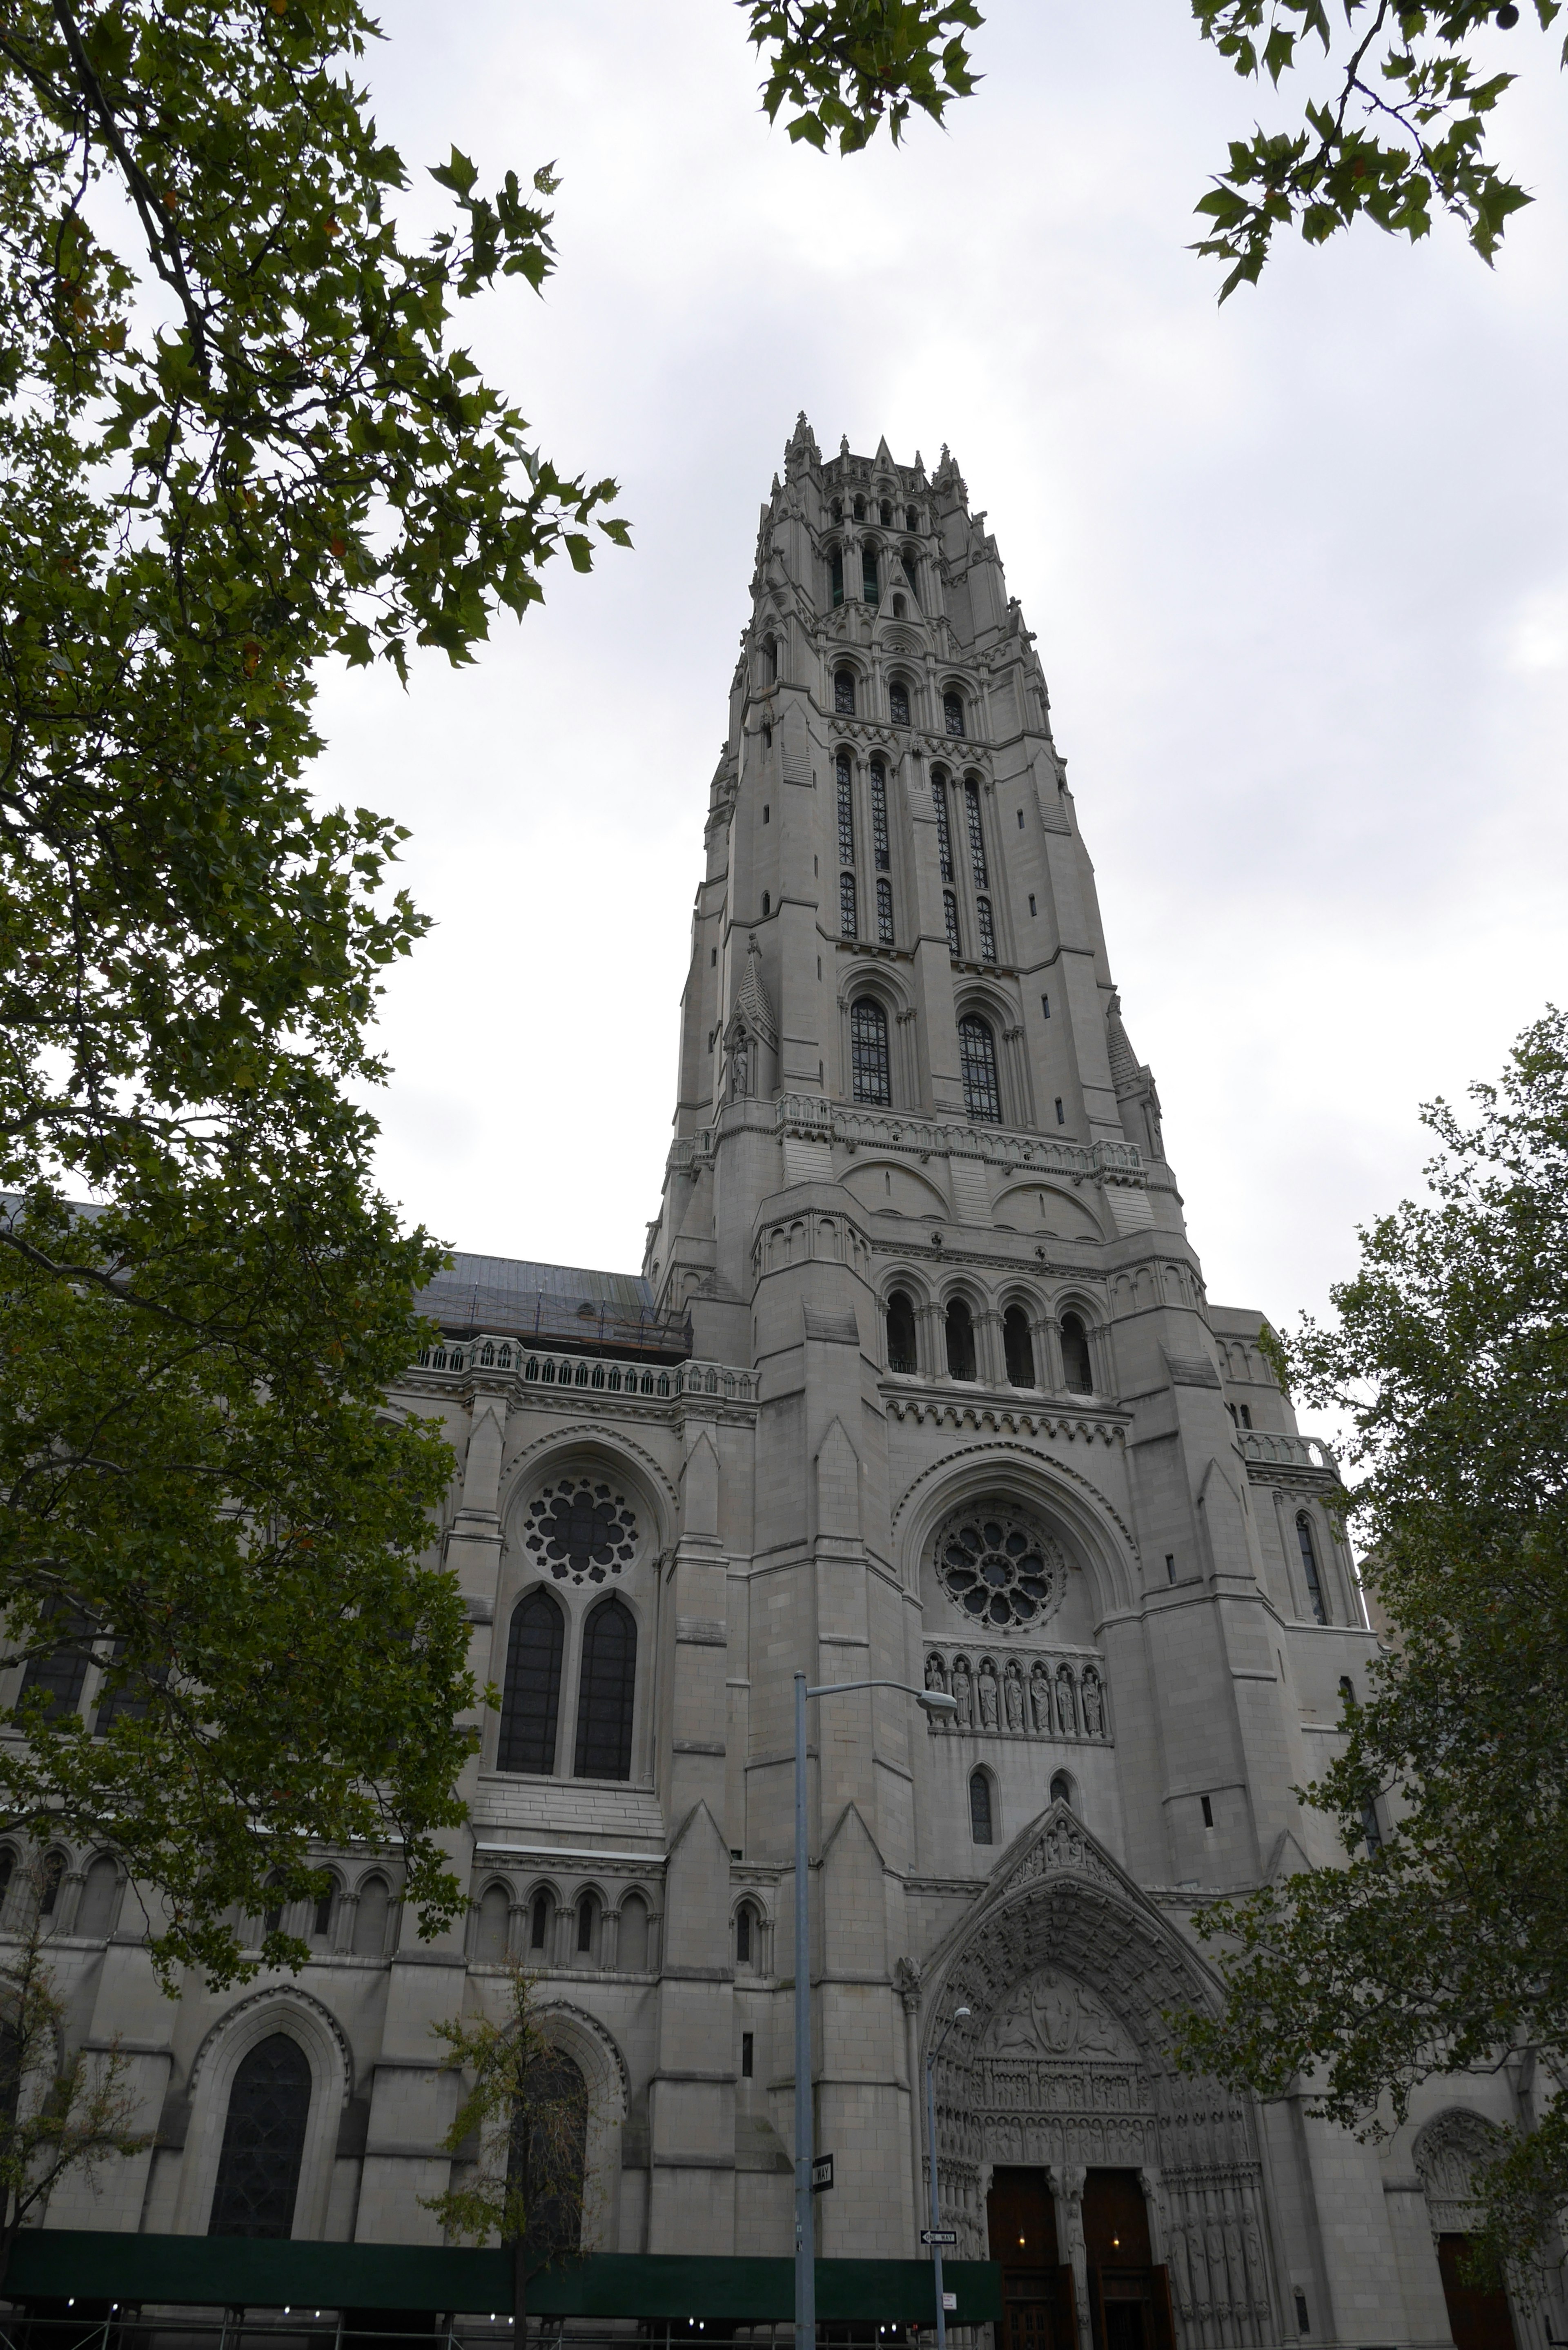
{"x": 1297, "y": 567}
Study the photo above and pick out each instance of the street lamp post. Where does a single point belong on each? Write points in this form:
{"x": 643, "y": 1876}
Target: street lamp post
{"x": 957, "y": 2016}
{"x": 933, "y": 1701}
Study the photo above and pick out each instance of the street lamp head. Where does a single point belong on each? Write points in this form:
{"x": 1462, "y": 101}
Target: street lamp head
{"x": 960, "y": 2014}
{"x": 936, "y": 1700}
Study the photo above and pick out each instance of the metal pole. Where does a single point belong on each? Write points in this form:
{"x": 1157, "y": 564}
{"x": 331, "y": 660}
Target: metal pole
{"x": 804, "y": 2256}
{"x": 936, "y": 2220}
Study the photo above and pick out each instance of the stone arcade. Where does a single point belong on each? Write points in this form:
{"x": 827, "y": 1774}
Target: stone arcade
{"x": 920, "y": 1380}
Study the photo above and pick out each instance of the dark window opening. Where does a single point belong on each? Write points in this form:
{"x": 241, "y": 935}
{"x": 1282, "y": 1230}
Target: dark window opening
{"x": 976, "y": 836}
{"x": 870, "y": 578}
{"x": 944, "y": 837}
{"x": 1061, "y": 1788}
{"x": 980, "y": 1807}
{"x": 1303, "y": 2323}
{"x": 950, "y": 916}
{"x": 547, "y": 2155}
{"x": 321, "y": 1916}
{"x": 987, "y": 932}
{"x": 846, "y": 809}
{"x": 1309, "y": 1566}
{"x": 1207, "y": 1811}
{"x": 848, "y": 910}
{"x": 1019, "y": 1347}
{"x": 744, "y": 1937}
{"x": 585, "y": 1923}
{"x": 1061, "y": 1113}
{"x": 539, "y": 1925}
{"x": 881, "y": 847}
{"x": 62, "y": 1672}
{"x": 748, "y": 2047}
{"x": 886, "y": 512}
{"x": 531, "y": 1698}
{"x": 898, "y": 703}
{"x": 272, "y": 1916}
{"x": 765, "y": 812}
{"x": 836, "y": 571}
{"x": 844, "y": 692}
{"x": 901, "y": 1332}
{"x": 53, "y": 1877}
{"x": 1046, "y": 1006}
{"x": 898, "y": 608}
{"x": 1371, "y": 1828}
{"x": 885, "y": 913}
{"x": 859, "y": 509}
{"x": 771, "y": 650}
{"x": 960, "y": 1340}
{"x": 911, "y": 517}
{"x": 976, "y": 1060}
{"x": 952, "y": 712}
{"x": 1170, "y": 1566}
{"x": 1032, "y": 908}
{"x": 609, "y": 1687}
{"x": 870, "y": 1076}
{"x": 1075, "y": 1362}
{"x": 264, "y": 2142}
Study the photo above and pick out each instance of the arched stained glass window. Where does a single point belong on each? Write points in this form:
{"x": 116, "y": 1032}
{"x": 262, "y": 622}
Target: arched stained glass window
{"x": 952, "y": 712}
{"x": 1075, "y": 1362}
{"x": 607, "y": 1688}
{"x": 1018, "y": 1346}
{"x": 531, "y": 1698}
{"x": 950, "y": 916}
{"x": 264, "y": 2142}
{"x": 548, "y": 2153}
{"x": 885, "y": 913}
{"x": 987, "y": 928}
{"x": 976, "y": 1060}
{"x": 976, "y": 835}
{"x": 881, "y": 847}
{"x": 980, "y": 1824}
{"x": 848, "y": 910}
{"x": 901, "y": 1332}
{"x": 846, "y": 780}
{"x": 836, "y": 571}
{"x": 960, "y": 1340}
{"x": 1309, "y": 1566}
{"x": 844, "y": 692}
{"x": 944, "y": 837}
{"x": 898, "y": 703}
{"x": 870, "y": 1077}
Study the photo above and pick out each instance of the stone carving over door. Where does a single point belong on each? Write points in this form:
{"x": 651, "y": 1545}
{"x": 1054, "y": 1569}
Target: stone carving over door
{"x": 1447, "y": 2154}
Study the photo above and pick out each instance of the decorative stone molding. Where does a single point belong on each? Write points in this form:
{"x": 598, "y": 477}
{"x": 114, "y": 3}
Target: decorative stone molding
{"x": 956, "y": 1411}
{"x": 629, "y": 1381}
{"x": 1026, "y": 1694}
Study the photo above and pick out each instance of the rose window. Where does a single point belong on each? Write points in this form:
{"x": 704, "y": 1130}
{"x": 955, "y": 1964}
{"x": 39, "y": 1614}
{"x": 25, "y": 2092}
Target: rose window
{"x": 1000, "y": 1568}
{"x": 582, "y": 1531}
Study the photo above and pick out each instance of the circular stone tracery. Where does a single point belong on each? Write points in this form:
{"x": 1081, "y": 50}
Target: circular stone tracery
{"x": 582, "y": 1530}
{"x": 1001, "y": 1568}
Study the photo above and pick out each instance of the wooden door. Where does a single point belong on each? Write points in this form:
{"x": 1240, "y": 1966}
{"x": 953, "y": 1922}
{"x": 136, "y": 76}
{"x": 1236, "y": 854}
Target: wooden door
{"x": 1122, "y": 2282}
{"x": 1479, "y": 2315}
{"x": 1036, "y": 2291}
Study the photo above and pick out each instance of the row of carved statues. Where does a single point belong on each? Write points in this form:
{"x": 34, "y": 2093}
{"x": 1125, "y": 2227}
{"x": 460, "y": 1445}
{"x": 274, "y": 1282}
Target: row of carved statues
{"x": 1037, "y": 1699}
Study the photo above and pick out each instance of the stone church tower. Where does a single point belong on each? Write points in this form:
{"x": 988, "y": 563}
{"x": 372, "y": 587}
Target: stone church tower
{"x": 920, "y": 1381}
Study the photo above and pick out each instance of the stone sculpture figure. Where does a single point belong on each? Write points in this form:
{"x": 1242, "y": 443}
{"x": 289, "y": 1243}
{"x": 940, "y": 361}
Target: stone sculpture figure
{"x": 1013, "y": 1695}
{"x": 987, "y": 1694}
{"x": 963, "y": 1691}
{"x": 937, "y": 1679}
{"x": 1066, "y": 1708}
{"x": 1180, "y": 2277}
{"x": 1040, "y": 1699}
{"x": 1093, "y": 1710}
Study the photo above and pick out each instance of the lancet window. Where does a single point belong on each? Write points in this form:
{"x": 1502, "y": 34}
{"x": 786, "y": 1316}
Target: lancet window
{"x": 1018, "y": 1348}
{"x": 870, "y": 577}
{"x": 986, "y": 928}
{"x": 871, "y": 1078}
{"x": 977, "y": 1061}
{"x": 976, "y": 836}
{"x": 1309, "y": 1567}
{"x": 898, "y": 703}
{"x": 952, "y": 712}
{"x": 944, "y": 837}
{"x": 901, "y": 1332}
{"x": 608, "y": 1689}
{"x": 885, "y": 913}
{"x": 1075, "y": 1362}
{"x": 264, "y": 2142}
{"x": 835, "y": 572}
{"x": 980, "y": 1819}
{"x": 846, "y": 809}
{"x": 950, "y": 916}
{"x": 531, "y": 1697}
{"x": 844, "y": 692}
{"x": 881, "y": 847}
{"x": 960, "y": 1340}
{"x": 848, "y": 911}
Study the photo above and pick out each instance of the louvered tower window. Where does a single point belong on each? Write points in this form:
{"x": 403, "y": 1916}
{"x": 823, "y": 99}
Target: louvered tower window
{"x": 949, "y": 915}
{"x": 885, "y": 912}
{"x": 848, "y": 913}
{"x": 987, "y": 928}
{"x": 846, "y": 810}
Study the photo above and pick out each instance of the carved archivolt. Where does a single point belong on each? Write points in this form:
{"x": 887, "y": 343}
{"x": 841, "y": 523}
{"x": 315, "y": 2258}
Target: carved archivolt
{"x": 1447, "y": 2154}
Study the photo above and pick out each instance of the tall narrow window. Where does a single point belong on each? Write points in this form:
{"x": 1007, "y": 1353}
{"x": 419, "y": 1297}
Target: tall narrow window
{"x": 885, "y": 913}
{"x": 898, "y": 703}
{"x": 870, "y": 579}
{"x": 1018, "y": 1346}
{"x": 547, "y": 2155}
{"x": 844, "y": 692}
{"x": 886, "y": 514}
{"x": 976, "y": 836}
{"x": 1309, "y": 1566}
{"x": 771, "y": 650}
{"x": 1371, "y": 1828}
{"x": 859, "y": 509}
{"x": 264, "y": 2142}
{"x": 370, "y": 1918}
{"x": 980, "y": 1807}
{"x": 849, "y": 914}
{"x": 608, "y": 1686}
{"x": 952, "y": 712}
{"x": 491, "y": 1927}
{"x": 539, "y": 1923}
{"x": 61, "y": 1673}
{"x": 836, "y": 571}
{"x": 944, "y": 837}
{"x": 881, "y": 847}
{"x": 128, "y": 1702}
{"x": 871, "y": 1079}
{"x": 743, "y": 1935}
{"x": 532, "y": 1696}
{"x": 910, "y": 559}
{"x": 960, "y": 1340}
{"x": 976, "y": 1060}
{"x": 901, "y": 1332}
{"x": 586, "y": 1908}
{"x": 846, "y": 809}
{"x": 911, "y": 517}
{"x": 1061, "y": 1788}
{"x": 632, "y": 1942}
{"x": 1075, "y": 1360}
{"x": 950, "y": 916}
{"x": 986, "y": 928}
{"x": 54, "y": 1874}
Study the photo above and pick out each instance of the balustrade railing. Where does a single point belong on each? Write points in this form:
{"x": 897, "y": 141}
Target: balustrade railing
{"x": 1288, "y": 1451}
{"x": 662, "y": 1383}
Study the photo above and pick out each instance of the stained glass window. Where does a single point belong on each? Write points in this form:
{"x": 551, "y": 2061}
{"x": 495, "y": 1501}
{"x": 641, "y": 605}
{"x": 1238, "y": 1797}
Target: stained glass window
{"x": 980, "y": 1807}
{"x": 977, "y": 1059}
{"x": 849, "y": 916}
{"x": 949, "y": 915}
{"x": 835, "y": 566}
{"x": 901, "y": 1332}
{"x": 844, "y": 692}
{"x": 986, "y": 928}
{"x": 264, "y": 2142}
{"x": 846, "y": 810}
{"x": 870, "y": 583}
{"x": 882, "y": 848}
{"x": 533, "y": 1692}
{"x": 547, "y": 2155}
{"x": 885, "y": 912}
{"x": 582, "y": 1531}
{"x": 944, "y": 837}
{"x": 868, "y": 1052}
{"x": 1309, "y": 1567}
{"x": 952, "y": 712}
{"x": 607, "y": 1688}
{"x": 976, "y": 836}
{"x": 898, "y": 703}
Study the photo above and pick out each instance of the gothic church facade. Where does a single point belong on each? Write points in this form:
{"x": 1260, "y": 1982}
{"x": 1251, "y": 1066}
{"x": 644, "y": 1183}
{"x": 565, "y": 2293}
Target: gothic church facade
{"x": 920, "y": 1382}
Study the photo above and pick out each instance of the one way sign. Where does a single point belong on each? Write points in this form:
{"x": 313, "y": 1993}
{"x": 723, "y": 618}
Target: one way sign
{"x": 939, "y": 2235}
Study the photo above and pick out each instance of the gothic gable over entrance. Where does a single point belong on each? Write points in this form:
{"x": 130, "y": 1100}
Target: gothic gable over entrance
{"x": 1061, "y": 2067}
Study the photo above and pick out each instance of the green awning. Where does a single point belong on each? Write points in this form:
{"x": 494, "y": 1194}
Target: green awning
{"x": 264, "y": 2273}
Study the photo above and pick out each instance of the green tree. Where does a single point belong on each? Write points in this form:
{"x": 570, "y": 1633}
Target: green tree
{"x": 1400, "y": 134}
{"x": 520, "y": 2133}
{"x": 1442, "y": 1945}
{"x": 237, "y": 440}
{"x": 58, "y": 2113}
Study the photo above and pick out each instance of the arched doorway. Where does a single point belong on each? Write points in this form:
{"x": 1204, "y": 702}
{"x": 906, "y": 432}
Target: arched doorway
{"x": 1446, "y": 2154}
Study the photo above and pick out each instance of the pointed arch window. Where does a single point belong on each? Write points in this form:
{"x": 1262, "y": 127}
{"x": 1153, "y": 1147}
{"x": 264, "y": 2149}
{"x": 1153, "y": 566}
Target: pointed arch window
{"x": 950, "y": 916}
{"x": 871, "y": 1079}
{"x": 952, "y": 712}
{"x": 548, "y": 2153}
{"x": 870, "y": 576}
{"x": 859, "y": 509}
{"x": 898, "y": 703}
{"x": 886, "y": 512}
{"x": 910, "y": 560}
{"x": 911, "y": 517}
{"x": 608, "y": 1688}
{"x": 944, "y": 837}
{"x": 1309, "y": 1566}
{"x": 771, "y": 650}
{"x": 881, "y": 847}
{"x": 844, "y": 692}
{"x": 976, "y": 835}
{"x": 885, "y": 913}
{"x": 62, "y": 1673}
{"x": 264, "y": 2142}
{"x": 977, "y": 1061}
{"x": 902, "y": 1332}
{"x": 1075, "y": 1362}
{"x": 836, "y": 571}
{"x": 845, "y": 775}
{"x": 532, "y": 1696}
{"x": 1018, "y": 1346}
{"x": 960, "y": 1340}
{"x": 1061, "y": 1788}
{"x": 848, "y": 912}
{"x": 980, "y": 1819}
{"x": 986, "y": 928}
